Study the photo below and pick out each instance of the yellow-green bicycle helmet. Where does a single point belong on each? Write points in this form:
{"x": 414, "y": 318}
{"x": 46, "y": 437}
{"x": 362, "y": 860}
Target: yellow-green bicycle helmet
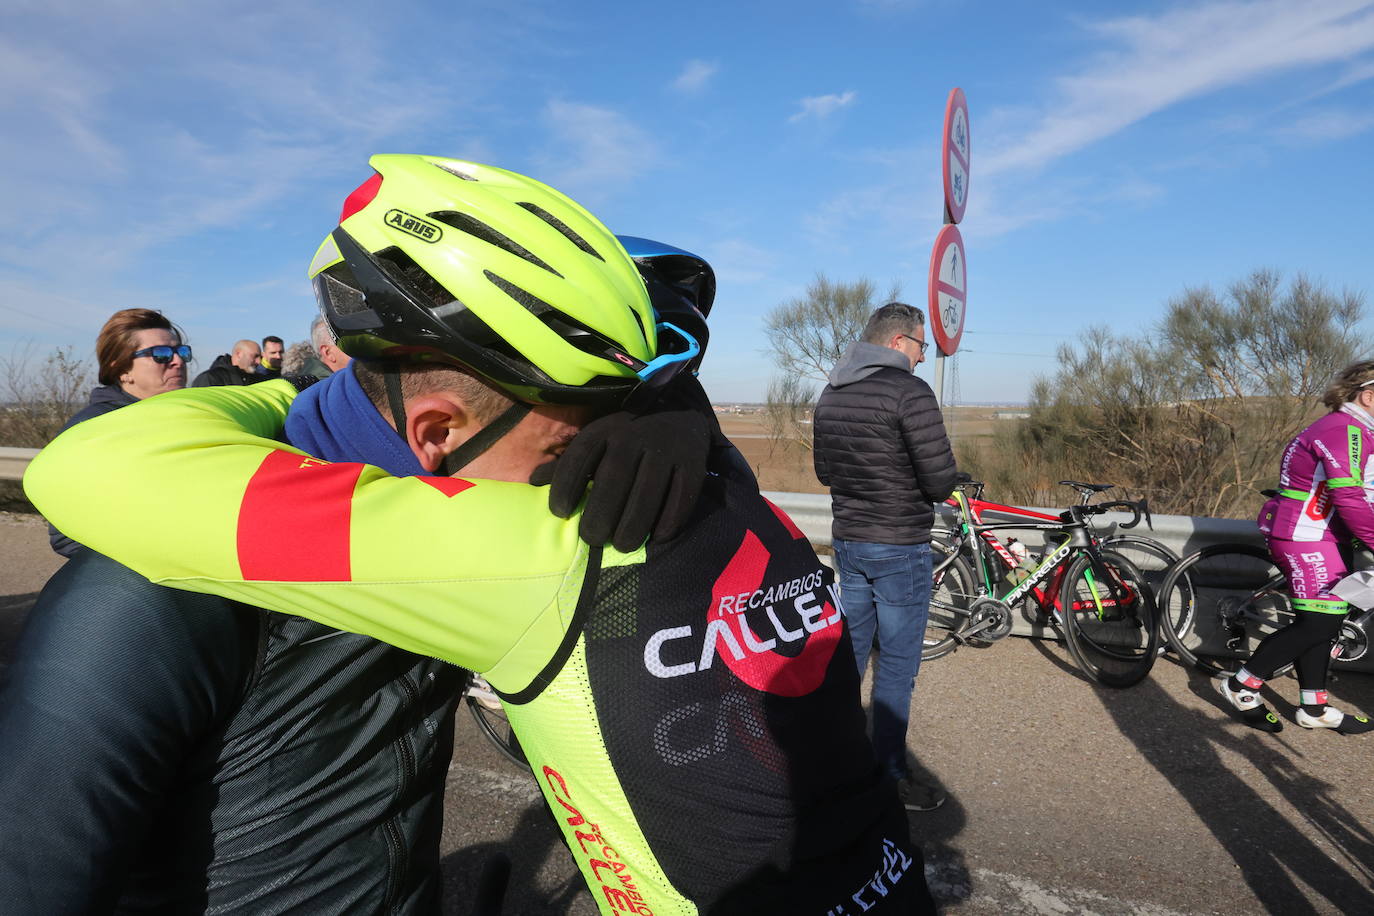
{"x": 452, "y": 261}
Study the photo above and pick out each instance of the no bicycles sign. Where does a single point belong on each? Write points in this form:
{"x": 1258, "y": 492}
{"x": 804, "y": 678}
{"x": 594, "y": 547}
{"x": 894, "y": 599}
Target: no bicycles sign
{"x": 948, "y": 289}
{"x": 954, "y": 150}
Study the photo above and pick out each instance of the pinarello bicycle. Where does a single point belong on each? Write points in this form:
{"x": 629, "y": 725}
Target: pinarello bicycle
{"x": 1097, "y": 599}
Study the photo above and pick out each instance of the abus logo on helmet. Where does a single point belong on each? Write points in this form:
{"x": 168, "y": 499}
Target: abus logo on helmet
{"x": 422, "y": 229}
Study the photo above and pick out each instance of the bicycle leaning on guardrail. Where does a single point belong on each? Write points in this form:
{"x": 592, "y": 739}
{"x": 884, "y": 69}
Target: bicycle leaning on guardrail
{"x": 1097, "y": 599}
{"x": 486, "y": 708}
{"x": 1237, "y": 593}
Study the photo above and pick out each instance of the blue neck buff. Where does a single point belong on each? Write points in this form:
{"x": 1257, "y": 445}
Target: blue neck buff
{"x": 336, "y": 421}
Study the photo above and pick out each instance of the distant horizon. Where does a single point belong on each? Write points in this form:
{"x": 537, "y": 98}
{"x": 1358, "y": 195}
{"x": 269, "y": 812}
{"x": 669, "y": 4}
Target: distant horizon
{"x": 190, "y": 159}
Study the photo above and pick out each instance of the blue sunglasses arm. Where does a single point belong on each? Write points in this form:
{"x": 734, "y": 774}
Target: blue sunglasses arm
{"x": 666, "y": 359}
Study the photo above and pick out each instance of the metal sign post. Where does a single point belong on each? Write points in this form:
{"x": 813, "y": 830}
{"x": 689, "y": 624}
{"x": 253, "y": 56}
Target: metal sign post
{"x": 947, "y": 295}
{"x": 948, "y": 288}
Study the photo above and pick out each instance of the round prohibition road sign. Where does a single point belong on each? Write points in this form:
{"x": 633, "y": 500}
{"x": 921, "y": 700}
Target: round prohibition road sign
{"x": 954, "y": 151}
{"x": 948, "y": 289}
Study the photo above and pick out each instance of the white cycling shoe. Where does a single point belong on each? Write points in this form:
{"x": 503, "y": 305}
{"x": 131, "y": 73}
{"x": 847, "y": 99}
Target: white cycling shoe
{"x": 1252, "y": 710}
{"x": 1330, "y": 718}
{"x": 1335, "y": 720}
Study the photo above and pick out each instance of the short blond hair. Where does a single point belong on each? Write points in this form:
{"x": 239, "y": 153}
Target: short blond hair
{"x": 484, "y": 401}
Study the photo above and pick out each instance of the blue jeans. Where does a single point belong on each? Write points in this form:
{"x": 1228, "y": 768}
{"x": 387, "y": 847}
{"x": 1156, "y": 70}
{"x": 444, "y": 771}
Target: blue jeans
{"x": 885, "y": 588}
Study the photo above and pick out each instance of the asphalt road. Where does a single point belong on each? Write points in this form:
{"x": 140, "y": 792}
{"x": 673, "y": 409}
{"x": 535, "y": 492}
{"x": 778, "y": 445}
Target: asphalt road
{"x": 1064, "y": 798}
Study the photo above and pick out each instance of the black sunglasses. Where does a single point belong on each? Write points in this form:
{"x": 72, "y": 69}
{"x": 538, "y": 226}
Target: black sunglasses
{"x": 924, "y": 345}
{"x": 163, "y": 353}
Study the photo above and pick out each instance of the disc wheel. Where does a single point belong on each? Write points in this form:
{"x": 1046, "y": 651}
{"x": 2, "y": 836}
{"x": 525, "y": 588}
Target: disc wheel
{"x": 1154, "y": 560}
{"x": 1107, "y": 612}
{"x": 1234, "y": 597}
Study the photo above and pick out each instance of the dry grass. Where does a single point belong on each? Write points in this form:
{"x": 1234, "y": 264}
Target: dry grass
{"x": 786, "y": 466}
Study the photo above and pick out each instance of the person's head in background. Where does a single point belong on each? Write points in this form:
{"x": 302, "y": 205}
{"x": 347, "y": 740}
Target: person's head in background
{"x": 272, "y": 348}
{"x": 246, "y": 356}
{"x": 899, "y": 327}
{"x": 323, "y": 342}
{"x": 142, "y": 352}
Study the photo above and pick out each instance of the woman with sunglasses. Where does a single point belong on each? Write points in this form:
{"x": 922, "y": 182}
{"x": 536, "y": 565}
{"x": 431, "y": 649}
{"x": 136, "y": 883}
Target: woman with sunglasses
{"x": 1325, "y": 498}
{"x": 139, "y": 353}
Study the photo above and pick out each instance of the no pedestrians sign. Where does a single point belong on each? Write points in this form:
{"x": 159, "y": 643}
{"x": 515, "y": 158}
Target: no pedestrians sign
{"x": 948, "y": 289}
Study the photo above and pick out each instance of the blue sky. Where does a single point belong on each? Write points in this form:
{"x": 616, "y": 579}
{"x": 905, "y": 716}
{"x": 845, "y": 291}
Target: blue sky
{"x": 190, "y": 156}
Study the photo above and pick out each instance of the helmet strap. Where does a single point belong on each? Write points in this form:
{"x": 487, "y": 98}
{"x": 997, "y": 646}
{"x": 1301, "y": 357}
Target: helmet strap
{"x": 485, "y": 438}
{"x": 391, "y": 372}
{"x": 466, "y": 453}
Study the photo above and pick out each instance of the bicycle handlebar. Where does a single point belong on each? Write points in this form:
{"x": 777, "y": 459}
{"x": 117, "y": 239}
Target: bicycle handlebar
{"x": 1136, "y": 508}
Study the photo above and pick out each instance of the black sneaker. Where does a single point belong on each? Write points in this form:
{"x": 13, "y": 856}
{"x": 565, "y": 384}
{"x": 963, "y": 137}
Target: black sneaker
{"x": 919, "y": 796}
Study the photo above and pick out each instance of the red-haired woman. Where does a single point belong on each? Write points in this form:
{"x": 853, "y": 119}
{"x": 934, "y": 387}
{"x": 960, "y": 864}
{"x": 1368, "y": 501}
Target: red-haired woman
{"x": 139, "y": 353}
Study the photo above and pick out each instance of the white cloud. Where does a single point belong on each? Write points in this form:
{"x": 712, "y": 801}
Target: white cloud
{"x": 593, "y": 149}
{"x": 1325, "y": 126}
{"x": 694, "y": 76}
{"x": 1185, "y": 53}
{"x": 823, "y": 106}
{"x": 217, "y": 122}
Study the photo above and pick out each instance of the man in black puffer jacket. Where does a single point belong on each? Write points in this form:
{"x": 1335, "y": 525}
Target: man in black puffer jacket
{"x": 881, "y": 448}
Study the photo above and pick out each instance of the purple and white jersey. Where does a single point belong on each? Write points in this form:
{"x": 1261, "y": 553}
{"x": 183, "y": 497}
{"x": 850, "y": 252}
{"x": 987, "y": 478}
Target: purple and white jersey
{"x": 1325, "y": 487}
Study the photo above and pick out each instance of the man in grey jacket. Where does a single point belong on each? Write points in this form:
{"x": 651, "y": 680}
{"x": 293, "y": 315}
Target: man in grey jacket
{"x": 881, "y": 448}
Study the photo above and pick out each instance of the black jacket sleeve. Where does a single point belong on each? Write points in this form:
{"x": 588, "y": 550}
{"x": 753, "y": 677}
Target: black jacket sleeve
{"x": 922, "y": 428}
{"x": 819, "y": 462}
{"x": 114, "y": 681}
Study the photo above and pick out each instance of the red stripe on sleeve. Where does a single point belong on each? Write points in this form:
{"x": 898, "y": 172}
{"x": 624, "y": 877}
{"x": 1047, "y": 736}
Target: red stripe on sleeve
{"x": 294, "y": 520}
{"x": 787, "y": 522}
{"x": 449, "y": 486}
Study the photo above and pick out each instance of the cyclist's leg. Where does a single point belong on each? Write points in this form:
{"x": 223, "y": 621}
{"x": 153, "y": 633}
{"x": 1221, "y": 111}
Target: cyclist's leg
{"x": 1311, "y": 568}
{"x": 856, "y": 599}
{"x": 1313, "y": 665}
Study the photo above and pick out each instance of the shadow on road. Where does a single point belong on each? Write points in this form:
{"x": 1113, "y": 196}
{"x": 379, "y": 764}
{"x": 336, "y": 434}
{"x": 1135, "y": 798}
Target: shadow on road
{"x": 532, "y": 840}
{"x": 935, "y": 832}
{"x": 1283, "y": 866}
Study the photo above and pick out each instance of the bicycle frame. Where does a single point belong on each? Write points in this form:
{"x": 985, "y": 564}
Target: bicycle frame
{"x": 974, "y": 532}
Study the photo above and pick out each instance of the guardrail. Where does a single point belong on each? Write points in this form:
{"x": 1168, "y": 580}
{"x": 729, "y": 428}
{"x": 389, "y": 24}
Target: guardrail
{"x": 811, "y": 513}
{"x": 1181, "y": 533}
{"x": 13, "y": 461}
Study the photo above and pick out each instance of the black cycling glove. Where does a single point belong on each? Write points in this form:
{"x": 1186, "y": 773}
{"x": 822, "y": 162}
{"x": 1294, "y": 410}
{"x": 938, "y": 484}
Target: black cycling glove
{"x": 646, "y": 469}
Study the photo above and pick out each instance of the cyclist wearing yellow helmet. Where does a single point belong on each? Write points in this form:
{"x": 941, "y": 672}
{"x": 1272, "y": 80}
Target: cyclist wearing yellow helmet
{"x": 688, "y": 705}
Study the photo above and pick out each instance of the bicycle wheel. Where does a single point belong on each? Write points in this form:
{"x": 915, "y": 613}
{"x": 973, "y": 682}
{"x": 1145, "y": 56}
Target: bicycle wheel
{"x": 950, "y": 593}
{"x": 492, "y": 721}
{"x": 1237, "y": 596}
{"x": 1107, "y": 612}
{"x": 1155, "y": 560}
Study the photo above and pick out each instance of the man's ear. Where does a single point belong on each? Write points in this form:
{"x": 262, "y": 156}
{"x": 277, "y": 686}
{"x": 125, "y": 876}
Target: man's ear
{"x": 436, "y": 424}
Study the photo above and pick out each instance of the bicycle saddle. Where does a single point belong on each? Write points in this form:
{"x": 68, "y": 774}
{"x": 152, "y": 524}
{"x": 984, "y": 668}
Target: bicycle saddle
{"x": 1090, "y": 487}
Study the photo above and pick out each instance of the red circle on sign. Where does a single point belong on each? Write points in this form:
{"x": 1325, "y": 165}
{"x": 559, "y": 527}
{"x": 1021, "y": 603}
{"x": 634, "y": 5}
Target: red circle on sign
{"x": 954, "y": 153}
{"x": 948, "y": 300}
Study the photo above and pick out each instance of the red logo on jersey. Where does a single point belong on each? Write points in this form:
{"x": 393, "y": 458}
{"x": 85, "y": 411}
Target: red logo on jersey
{"x": 1319, "y": 508}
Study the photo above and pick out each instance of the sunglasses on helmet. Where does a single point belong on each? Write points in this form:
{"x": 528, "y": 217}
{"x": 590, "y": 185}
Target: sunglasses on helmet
{"x": 163, "y": 354}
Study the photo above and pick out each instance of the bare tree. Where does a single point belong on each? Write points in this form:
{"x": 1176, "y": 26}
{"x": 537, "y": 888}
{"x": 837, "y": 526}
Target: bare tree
{"x": 40, "y": 393}
{"x": 806, "y": 337}
{"x": 1193, "y": 416}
